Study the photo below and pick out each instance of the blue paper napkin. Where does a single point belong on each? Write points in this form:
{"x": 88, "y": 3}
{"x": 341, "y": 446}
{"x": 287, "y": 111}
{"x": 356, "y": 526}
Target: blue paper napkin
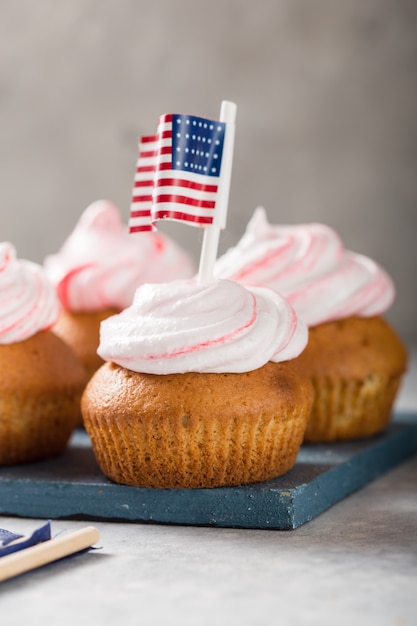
{"x": 11, "y": 542}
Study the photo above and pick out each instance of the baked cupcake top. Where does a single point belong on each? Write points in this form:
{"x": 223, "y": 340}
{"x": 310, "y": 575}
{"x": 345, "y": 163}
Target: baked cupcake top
{"x": 309, "y": 265}
{"x": 218, "y": 326}
{"x": 100, "y": 265}
{"x": 28, "y": 301}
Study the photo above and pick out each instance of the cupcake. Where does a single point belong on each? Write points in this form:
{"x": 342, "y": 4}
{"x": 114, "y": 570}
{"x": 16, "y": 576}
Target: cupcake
{"x": 200, "y": 387}
{"x": 42, "y": 379}
{"x": 355, "y": 358}
{"x": 97, "y": 270}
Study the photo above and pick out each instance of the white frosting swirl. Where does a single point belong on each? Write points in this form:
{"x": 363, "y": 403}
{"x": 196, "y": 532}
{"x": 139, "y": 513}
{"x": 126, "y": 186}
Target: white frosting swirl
{"x": 308, "y": 264}
{"x": 100, "y": 265}
{"x": 28, "y": 302}
{"x": 219, "y": 326}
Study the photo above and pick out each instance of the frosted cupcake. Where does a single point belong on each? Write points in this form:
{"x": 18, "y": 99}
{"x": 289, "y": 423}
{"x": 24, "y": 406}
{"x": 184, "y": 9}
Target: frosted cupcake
{"x": 97, "y": 270}
{"x": 42, "y": 379}
{"x": 355, "y": 359}
{"x": 200, "y": 388}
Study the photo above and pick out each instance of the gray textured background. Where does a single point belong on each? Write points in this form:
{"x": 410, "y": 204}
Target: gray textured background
{"x": 326, "y": 129}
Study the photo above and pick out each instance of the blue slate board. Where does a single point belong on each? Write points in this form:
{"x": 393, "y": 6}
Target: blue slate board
{"x": 72, "y": 486}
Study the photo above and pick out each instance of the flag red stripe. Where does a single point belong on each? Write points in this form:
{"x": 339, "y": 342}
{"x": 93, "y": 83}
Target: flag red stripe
{"x": 179, "y": 215}
{"x": 148, "y": 154}
{"x": 143, "y": 213}
{"x": 145, "y": 168}
{"x": 165, "y": 134}
{"x": 142, "y": 198}
{"x": 165, "y": 118}
{"x": 149, "y": 138}
{"x": 140, "y": 229}
{"x": 175, "y": 198}
{"x": 143, "y": 183}
{"x": 180, "y": 182}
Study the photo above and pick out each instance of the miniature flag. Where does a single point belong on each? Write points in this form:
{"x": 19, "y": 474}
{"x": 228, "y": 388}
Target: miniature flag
{"x": 178, "y": 173}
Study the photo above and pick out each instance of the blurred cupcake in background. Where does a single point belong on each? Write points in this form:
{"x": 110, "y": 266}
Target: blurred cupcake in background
{"x": 99, "y": 267}
{"x": 41, "y": 377}
{"x": 355, "y": 358}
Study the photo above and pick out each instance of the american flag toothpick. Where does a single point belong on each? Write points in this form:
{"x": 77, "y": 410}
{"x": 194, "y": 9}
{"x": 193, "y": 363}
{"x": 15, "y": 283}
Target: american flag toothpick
{"x": 183, "y": 173}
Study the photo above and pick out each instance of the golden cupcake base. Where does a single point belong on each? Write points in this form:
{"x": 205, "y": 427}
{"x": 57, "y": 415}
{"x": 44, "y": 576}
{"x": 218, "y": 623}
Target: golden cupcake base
{"x": 196, "y": 430}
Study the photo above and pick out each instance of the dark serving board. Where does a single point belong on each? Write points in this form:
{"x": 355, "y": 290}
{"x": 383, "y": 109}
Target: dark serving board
{"x": 72, "y": 486}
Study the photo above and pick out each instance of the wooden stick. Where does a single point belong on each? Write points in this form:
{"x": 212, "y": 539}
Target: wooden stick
{"x": 212, "y": 232}
{"x": 46, "y": 552}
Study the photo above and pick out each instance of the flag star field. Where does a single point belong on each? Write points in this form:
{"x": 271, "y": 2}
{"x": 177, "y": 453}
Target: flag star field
{"x": 197, "y": 144}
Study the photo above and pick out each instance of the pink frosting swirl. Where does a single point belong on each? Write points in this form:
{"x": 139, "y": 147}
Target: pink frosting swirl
{"x": 100, "y": 264}
{"x": 28, "y": 302}
{"x": 309, "y": 265}
{"x": 219, "y": 326}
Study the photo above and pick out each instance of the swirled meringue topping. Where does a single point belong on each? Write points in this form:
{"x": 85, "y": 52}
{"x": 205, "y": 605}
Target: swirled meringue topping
{"x": 100, "y": 264}
{"x": 218, "y": 326}
{"x": 28, "y": 301}
{"x": 308, "y": 264}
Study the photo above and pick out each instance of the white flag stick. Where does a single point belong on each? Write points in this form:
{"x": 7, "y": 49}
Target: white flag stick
{"x": 46, "y": 552}
{"x": 212, "y": 232}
